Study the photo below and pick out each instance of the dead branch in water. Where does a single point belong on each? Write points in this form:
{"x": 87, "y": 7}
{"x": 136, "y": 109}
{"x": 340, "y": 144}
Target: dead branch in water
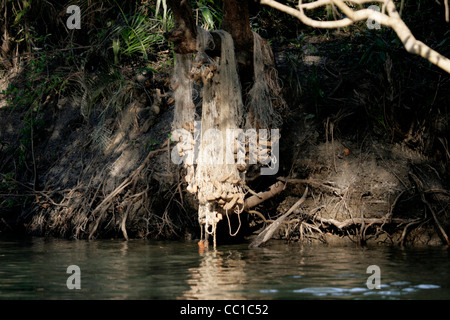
{"x": 265, "y": 235}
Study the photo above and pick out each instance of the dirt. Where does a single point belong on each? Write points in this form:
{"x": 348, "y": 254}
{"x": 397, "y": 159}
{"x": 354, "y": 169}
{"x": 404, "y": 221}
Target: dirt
{"x": 353, "y": 180}
{"x": 385, "y": 189}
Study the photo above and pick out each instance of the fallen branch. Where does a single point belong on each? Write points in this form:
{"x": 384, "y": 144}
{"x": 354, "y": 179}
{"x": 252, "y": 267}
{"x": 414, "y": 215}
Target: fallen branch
{"x": 269, "y": 231}
{"x": 359, "y": 221}
{"x": 259, "y": 214}
{"x": 263, "y": 196}
{"x": 445, "y": 192}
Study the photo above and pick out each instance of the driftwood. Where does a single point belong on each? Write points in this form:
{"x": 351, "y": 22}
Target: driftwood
{"x": 263, "y": 196}
{"x": 265, "y": 235}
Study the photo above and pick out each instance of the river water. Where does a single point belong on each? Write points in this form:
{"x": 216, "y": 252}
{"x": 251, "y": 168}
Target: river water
{"x": 36, "y": 268}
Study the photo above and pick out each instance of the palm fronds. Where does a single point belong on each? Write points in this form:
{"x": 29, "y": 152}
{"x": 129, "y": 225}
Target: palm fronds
{"x": 139, "y": 32}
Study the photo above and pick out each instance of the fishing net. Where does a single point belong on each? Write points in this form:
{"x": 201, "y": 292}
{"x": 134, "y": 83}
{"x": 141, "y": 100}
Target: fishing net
{"x": 218, "y": 180}
{"x": 184, "y": 112}
{"x": 265, "y": 92}
{"x": 215, "y": 156}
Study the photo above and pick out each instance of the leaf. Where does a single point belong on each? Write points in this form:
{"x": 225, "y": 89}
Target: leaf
{"x": 26, "y": 6}
{"x": 207, "y": 17}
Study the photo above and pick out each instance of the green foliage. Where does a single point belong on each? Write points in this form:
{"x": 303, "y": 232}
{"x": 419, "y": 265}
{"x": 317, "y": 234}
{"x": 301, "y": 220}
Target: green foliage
{"x": 9, "y": 186}
{"x": 21, "y": 12}
{"x": 36, "y": 88}
{"x": 138, "y": 32}
{"x": 209, "y": 14}
{"x": 150, "y": 144}
{"x": 375, "y": 53}
{"x": 444, "y": 44}
{"x": 6, "y": 183}
{"x": 25, "y": 23}
{"x": 29, "y": 97}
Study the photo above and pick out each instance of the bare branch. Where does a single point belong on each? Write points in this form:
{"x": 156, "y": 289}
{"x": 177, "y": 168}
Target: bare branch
{"x": 267, "y": 233}
{"x": 263, "y": 196}
{"x": 388, "y": 17}
{"x": 447, "y": 11}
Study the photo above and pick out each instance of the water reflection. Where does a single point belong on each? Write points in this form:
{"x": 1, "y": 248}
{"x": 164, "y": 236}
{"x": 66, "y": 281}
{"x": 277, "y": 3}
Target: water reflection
{"x": 36, "y": 269}
{"x": 317, "y": 272}
{"x": 220, "y": 275}
{"x": 271, "y": 273}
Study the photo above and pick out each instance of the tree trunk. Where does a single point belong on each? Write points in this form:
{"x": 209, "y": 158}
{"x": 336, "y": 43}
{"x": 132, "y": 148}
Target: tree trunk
{"x": 185, "y": 32}
{"x": 236, "y": 21}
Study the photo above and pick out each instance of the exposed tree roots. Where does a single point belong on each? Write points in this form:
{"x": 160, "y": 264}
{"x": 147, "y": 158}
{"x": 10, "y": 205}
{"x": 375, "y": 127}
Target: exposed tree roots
{"x": 84, "y": 208}
{"x": 308, "y": 224}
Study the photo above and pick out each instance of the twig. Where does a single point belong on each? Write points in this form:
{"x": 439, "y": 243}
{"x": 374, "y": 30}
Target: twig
{"x": 403, "y": 237}
{"x": 33, "y": 157}
{"x": 358, "y": 221}
{"x": 447, "y": 11}
{"x": 447, "y": 193}
{"x": 391, "y": 209}
{"x": 332, "y": 146}
{"x": 259, "y": 214}
{"x": 34, "y": 192}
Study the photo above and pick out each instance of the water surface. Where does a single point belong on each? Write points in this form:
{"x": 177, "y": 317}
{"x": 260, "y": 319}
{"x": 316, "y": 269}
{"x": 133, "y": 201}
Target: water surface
{"x": 36, "y": 268}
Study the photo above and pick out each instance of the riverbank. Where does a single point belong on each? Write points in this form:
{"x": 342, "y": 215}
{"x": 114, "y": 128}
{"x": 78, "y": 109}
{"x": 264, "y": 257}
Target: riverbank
{"x": 85, "y": 152}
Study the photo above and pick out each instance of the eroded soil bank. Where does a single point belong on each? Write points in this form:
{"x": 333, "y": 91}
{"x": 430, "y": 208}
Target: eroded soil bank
{"x": 370, "y": 145}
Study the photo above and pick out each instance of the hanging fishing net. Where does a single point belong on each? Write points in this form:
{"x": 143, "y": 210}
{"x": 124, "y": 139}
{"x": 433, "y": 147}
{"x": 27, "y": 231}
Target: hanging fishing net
{"x": 214, "y": 151}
